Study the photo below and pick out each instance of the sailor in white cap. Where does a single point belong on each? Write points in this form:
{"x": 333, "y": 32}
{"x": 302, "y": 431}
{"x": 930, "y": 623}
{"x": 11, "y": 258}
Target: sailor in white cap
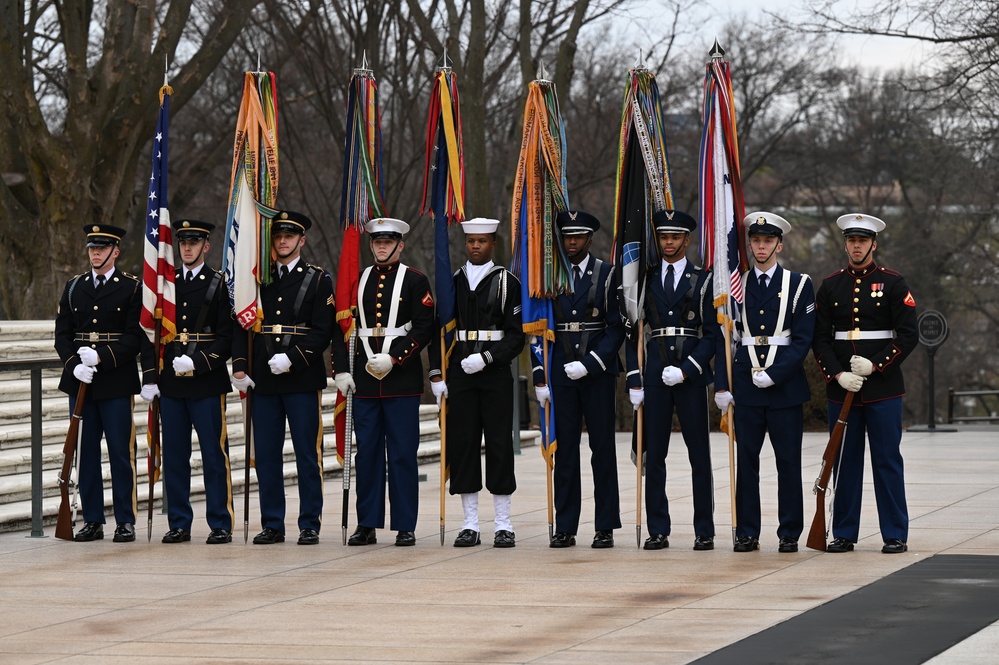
{"x": 395, "y": 321}
{"x": 774, "y": 335}
{"x": 479, "y": 383}
{"x": 865, "y": 328}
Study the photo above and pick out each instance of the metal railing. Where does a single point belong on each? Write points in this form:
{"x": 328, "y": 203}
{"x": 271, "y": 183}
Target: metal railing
{"x": 953, "y": 395}
{"x": 35, "y": 366}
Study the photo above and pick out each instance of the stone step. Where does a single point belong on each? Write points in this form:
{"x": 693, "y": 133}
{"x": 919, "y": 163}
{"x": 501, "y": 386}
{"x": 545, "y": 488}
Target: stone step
{"x": 17, "y": 331}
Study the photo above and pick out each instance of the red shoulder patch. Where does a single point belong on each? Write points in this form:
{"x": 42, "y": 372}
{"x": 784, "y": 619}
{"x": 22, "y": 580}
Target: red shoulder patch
{"x": 428, "y": 300}
{"x": 909, "y": 300}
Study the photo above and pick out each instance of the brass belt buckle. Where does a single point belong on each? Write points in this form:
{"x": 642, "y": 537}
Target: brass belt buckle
{"x": 378, "y": 331}
{"x": 276, "y": 329}
{"x": 473, "y": 335}
{"x": 574, "y": 326}
{"x": 762, "y": 340}
{"x": 182, "y": 338}
{"x": 94, "y": 337}
{"x": 853, "y": 335}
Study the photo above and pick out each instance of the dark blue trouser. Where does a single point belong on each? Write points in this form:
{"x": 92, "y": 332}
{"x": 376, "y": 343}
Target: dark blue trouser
{"x": 785, "y": 426}
{"x": 882, "y": 422}
{"x": 207, "y": 417}
{"x": 302, "y": 411}
{"x": 592, "y": 399}
{"x": 111, "y": 418}
{"x": 387, "y": 428}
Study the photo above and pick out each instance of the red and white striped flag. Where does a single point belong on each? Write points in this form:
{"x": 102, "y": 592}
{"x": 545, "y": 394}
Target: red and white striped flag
{"x": 158, "y": 298}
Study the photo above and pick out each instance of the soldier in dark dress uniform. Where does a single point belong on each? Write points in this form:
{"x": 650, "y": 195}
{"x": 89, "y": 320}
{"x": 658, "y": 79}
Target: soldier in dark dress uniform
{"x": 865, "y": 327}
{"x": 681, "y": 329}
{"x": 395, "y": 321}
{"x": 193, "y": 383}
{"x": 584, "y": 368}
{"x": 775, "y": 331}
{"x": 97, "y": 336}
{"x": 479, "y": 383}
{"x": 289, "y": 375}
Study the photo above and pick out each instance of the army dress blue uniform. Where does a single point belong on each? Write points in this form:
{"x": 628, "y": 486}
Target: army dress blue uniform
{"x": 106, "y": 319}
{"x": 776, "y": 325}
{"x": 395, "y": 317}
{"x": 196, "y": 399}
{"x": 298, "y": 321}
{"x": 867, "y": 312}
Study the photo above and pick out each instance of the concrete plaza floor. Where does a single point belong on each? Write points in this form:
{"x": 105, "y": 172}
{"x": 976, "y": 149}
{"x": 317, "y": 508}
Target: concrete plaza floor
{"x": 191, "y": 603}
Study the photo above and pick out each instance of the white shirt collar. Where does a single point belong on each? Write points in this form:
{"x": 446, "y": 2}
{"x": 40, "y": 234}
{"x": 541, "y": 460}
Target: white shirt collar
{"x": 107, "y": 276}
{"x": 291, "y": 265}
{"x": 475, "y": 273}
{"x": 679, "y": 268}
{"x": 194, "y": 271}
{"x": 768, "y": 273}
{"x": 582, "y": 264}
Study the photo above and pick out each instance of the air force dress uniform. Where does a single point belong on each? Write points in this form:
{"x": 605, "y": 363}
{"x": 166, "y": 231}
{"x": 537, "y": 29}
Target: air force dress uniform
{"x": 865, "y": 328}
{"x": 775, "y": 328}
{"x": 100, "y": 313}
{"x": 588, "y": 332}
{"x": 681, "y": 329}
{"x": 193, "y": 383}
{"x": 395, "y": 320}
{"x": 298, "y": 322}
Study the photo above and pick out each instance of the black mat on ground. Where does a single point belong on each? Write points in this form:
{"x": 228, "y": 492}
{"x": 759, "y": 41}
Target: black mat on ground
{"x": 907, "y": 617}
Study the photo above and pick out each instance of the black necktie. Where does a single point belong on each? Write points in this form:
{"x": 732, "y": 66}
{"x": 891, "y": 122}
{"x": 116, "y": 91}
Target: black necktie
{"x": 763, "y": 281}
{"x": 284, "y": 271}
{"x": 668, "y": 286}
{"x": 577, "y": 274}
{"x": 190, "y": 276}
{"x": 100, "y": 281}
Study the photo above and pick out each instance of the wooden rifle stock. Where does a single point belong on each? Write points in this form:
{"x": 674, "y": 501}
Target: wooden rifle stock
{"x": 817, "y": 534}
{"x": 64, "y": 525}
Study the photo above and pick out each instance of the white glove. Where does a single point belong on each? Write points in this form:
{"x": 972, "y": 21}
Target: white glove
{"x": 473, "y": 363}
{"x": 542, "y": 394}
{"x": 380, "y": 363}
{"x": 149, "y": 391}
{"x": 723, "y": 399}
{"x": 762, "y": 380}
{"x": 344, "y": 383}
{"x": 576, "y": 370}
{"x": 439, "y": 389}
{"x": 183, "y": 364}
{"x": 637, "y": 396}
{"x": 279, "y": 363}
{"x": 84, "y": 373}
{"x": 672, "y": 375}
{"x": 88, "y": 356}
{"x": 858, "y": 365}
{"x": 243, "y": 384}
{"x": 850, "y": 381}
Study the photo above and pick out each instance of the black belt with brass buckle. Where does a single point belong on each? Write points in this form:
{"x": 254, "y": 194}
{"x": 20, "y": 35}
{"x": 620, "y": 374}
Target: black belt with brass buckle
{"x": 185, "y": 338}
{"x": 279, "y": 329}
{"x": 97, "y": 337}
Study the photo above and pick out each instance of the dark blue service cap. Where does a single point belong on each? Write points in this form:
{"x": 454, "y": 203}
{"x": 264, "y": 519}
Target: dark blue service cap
{"x": 103, "y": 235}
{"x": 289, "y": 221}
{"x": 673, "y": 221}
{"x": 192, "y": 229}
{"x": 575, "y": 222}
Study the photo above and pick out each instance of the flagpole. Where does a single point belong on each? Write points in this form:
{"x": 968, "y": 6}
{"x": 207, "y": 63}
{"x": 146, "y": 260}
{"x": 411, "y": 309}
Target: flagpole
{"x": 248, "y": 438}
{"x": 730, "y": 414}
{"x": 442, "y": 415}
{"x": 639, "y": 431}
{"x": 549, "y": 466}
{"x": 153, "y": 427}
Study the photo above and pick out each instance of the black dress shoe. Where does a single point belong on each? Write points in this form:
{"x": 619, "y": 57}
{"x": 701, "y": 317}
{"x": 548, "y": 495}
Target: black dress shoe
{"x": 746, "y": 544}
{"x": 704, "y": 543}
{"x": 219, "y": 537}
{"x": 177, "y": 536}
{"x": 124, "y": 533}
{"x": 268, "y": 536}
{"x": 657, "y": 541}
{"x": 894, "y": 546}
{"x": 603, "y": 540}
{"x": 308, "y": 537}
{"x": 839, "y": 545}
{"x": 504, "y": 539}
{"x": 90, "y": 531}
{"x": 467, "y": 538}
{"x": 362, "y": 536}
{"x": 787, "y": 544}
{"x": 405, "y": 539}
{"x": 562, "y": 539}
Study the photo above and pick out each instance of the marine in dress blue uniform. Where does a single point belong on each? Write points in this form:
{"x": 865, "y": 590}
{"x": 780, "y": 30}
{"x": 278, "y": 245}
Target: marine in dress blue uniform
{"x": 395, "y": 322}
{"x": 865, "y": 327}
{"x": 681, "y": 328}
{"x": 289, "y": 375}
{"x": 769, "y": 385}
{"x": 479, "y": 384}
{"x": 589, "y": 331}
{"x": 192, "y": 387}
{"x": 97, "y": 336}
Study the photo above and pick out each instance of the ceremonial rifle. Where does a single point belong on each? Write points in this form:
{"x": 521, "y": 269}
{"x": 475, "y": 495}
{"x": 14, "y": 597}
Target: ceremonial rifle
{"x": 348, "y": 440}
{"x": 64, "y": 525}
{"x": 817, "y": 534}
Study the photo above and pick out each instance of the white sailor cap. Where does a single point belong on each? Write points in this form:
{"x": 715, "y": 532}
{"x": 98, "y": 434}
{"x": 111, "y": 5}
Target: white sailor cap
{"x": 763, "y": 223}
{"x": 479, "y": 225}
{"x": 386, "y": 227}
{"x": 859, "y": 224}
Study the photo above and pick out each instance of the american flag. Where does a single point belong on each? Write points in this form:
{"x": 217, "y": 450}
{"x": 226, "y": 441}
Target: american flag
{"x": 158, "y": 299}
